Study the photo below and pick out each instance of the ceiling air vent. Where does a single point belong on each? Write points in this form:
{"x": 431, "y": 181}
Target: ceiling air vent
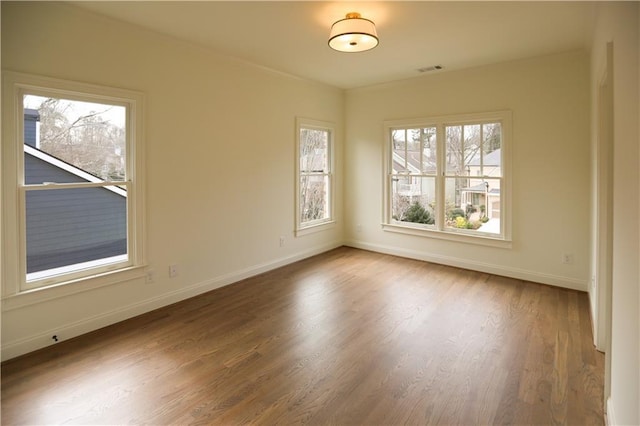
{"x": 431, "y": 68}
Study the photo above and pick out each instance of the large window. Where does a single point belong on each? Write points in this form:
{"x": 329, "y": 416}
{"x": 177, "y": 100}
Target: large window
{"x": 314, "y": 190}
{"x": 72, "y": 167}
{"x": 449, "y": 176}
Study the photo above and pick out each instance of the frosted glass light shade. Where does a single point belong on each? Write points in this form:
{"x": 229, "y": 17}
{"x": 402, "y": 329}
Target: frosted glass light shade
{"x": 353, "y": 34}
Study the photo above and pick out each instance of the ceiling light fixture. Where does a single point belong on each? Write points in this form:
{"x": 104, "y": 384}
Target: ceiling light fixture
{"x": 353, "y": 34}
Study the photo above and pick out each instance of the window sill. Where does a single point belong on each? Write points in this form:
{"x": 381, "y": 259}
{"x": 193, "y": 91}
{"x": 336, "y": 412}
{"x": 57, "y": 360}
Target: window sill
{"x": 44, "y": 294}
{"x": 41, "y": 278}
{"x": 483, "y": 240}
{"x": 310, "y": 229}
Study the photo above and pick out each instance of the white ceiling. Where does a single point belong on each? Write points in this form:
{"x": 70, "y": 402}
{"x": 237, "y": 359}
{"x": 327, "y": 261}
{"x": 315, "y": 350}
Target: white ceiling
{"x": 291, "y": 36}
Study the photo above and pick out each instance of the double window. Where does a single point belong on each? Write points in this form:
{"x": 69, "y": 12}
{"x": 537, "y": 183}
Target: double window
{"x": 314, "y": 189}
{"x": 449, "y": 176}
{"x": 73, "y": 170}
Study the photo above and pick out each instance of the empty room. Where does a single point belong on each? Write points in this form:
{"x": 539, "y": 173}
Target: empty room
{"x": 366, "y": 213}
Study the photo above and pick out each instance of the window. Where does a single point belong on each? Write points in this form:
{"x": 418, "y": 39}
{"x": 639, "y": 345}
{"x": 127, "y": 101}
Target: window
{"x": 448, "y": 177}
{"x": 72, "y": 166}
{"x": 314, "y": 190}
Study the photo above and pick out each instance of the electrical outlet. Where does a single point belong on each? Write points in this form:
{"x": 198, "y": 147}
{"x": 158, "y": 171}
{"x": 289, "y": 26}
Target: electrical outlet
{"x": 282, "y": 241}
{"x": 567, "y": 258}
{"x": 150, "y": 276}
{"x": 173, "y": 271}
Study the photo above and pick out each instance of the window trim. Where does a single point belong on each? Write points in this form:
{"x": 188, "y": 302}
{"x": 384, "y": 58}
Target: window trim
{"x": 439, "y": 231}
{"x": 323, "y": 224}
{"x": 15, "y": 285}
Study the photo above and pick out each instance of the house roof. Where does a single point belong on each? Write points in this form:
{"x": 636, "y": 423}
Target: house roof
{"x": 414, "y": 159}
{"x": 70, "y": 168}
{"x": 492, "y": 159}
{"x": 481, "y": 188}
{"x": 31, "y": 114}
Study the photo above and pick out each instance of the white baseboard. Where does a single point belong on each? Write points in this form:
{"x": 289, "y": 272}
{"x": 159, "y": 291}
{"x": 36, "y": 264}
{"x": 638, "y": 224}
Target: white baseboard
{"x": 41, "y": 340}
{"x": 71, "y": 330}
{"x": 610, "y": 419}
{"x": 521, "y": 274}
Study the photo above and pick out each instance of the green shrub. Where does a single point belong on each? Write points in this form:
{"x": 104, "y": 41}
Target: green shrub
{"x": 455, "y": 213}
{"x": 416, "y": 213}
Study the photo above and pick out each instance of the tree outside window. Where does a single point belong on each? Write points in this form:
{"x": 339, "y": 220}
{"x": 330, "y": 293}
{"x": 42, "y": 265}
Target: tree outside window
{"x": 447, "y": 174}
{"x": 74, "y": 169}
{"x": 315, "y": 175}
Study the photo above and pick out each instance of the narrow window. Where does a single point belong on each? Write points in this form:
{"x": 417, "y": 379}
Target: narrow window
{"x": 314, "y": 194}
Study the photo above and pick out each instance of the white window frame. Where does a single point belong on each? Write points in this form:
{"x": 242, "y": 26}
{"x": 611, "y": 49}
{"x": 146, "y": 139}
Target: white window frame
{"x": 439, "y": 230}
{"x": 303, "y": 228}
{"x": 16, "y": 290}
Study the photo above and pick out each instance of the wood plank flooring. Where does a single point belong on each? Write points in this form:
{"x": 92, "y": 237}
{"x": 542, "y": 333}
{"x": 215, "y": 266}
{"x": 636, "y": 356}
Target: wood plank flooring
{"x": 346, "y": 337}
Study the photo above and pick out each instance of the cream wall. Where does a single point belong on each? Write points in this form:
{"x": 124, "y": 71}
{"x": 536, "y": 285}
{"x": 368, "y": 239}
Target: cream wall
{"x": 220, "y": 161}
{"x": 618, "y": 23}
{"x": 549, "y": 99}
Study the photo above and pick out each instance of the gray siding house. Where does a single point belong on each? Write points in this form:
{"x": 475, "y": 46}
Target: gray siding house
{"x": 68, "y": 226}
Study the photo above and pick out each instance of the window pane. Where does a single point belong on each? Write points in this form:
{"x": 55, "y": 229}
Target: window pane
{"x": 414, "y": 154}
{"x": 85, "y": 140}
{"x": 454, "y": 150}
{"x": 492, "y": 149}
{"x": 413, "y": 199}
{"x": 429, "y": 158}
{"x": 314, "y": 198}
{"x": 399, "y": 151}
{"x": 68, "y": 227}
{"x": 413, "y": 140}
{"x": 472, "y": 151}
{"x": 314, "y": 147}
{"x": 473, "y": 204}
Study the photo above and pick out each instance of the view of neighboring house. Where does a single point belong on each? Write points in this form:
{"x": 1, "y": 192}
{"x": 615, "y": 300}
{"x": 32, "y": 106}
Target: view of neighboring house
{"x": 482, "y": 192}
{"x": 413, "y": 164}
{"x": 411, "y": 186}
{"x": 68, "y": 227}
{"x": 476, "y": 191}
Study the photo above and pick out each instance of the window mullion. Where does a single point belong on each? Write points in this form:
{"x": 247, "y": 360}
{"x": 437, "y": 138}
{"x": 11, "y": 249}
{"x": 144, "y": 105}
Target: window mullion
{"x": 440, "y": 171}
{"x": 481, "y": 150}
{"x": 421, "y": 156}
{"x": 462, "y": 150}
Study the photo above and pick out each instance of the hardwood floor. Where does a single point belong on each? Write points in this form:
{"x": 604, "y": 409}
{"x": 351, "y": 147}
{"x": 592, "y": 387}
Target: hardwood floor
{"x": 346, "y": 337}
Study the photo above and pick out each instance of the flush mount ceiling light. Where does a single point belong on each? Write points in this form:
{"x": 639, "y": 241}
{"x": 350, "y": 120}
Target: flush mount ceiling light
{"x": 353, "y": 34}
